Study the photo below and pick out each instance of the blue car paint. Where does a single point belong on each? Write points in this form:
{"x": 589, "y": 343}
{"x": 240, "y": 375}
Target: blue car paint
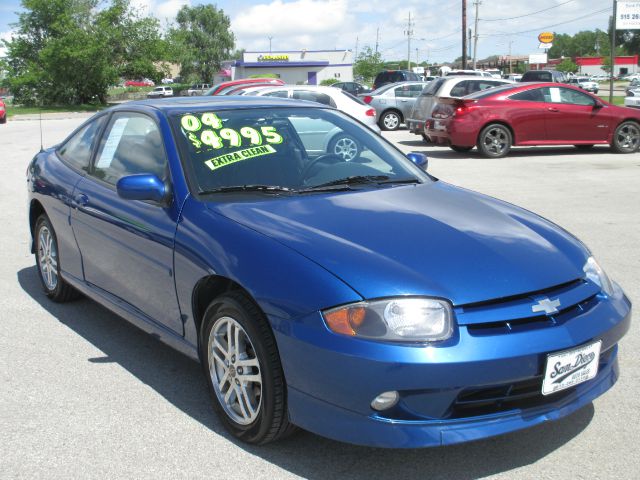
{"x": 298, "y": 255}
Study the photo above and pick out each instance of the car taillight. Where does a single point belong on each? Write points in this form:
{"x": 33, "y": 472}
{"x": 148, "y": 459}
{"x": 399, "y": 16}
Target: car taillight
{"x": 367, "y": 99}
{"x": 462, "y": 108}
{"x": 370, "y": 113}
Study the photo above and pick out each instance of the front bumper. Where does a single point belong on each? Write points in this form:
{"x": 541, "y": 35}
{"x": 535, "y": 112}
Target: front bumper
{"x": 332, "y": 379}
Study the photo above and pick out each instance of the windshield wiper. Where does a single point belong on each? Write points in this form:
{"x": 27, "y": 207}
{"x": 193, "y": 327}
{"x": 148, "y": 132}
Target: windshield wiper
{"x": 248, "y": 188}
{"x": 400, "y": 180}
{"x": 353, "y": 180}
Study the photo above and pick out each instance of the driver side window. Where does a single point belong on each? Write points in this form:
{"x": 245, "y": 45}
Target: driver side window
{"x": 132, "y": 144}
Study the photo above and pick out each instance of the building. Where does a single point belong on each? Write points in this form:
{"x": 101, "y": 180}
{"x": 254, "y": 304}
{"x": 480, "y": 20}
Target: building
{"x": 297, "y": 67}
{"x": 593, "y": 65}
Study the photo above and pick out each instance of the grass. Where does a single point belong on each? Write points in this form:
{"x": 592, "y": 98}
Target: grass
{"x": 20, "y": 110}
{"x": 616, "y": 100}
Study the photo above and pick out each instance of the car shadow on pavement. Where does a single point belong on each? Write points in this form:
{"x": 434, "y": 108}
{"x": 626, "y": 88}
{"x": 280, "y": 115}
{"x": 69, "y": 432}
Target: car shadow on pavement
{"x": 179, "y": 380}
{"x": 514, "y": 153}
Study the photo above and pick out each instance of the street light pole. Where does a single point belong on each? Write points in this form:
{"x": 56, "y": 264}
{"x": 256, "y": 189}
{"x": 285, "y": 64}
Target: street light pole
{"x": 613, "y": 49}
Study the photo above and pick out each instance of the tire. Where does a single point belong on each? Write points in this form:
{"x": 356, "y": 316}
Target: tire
{"x": 390, "y": 120}
{"x": 458, "y": 149}
{"x": 626, "y": 138}
{"x": 3, "y": 119}
{"x": 345, "y": 146}
{"x": 584, "y": 147}
{"x": 426, "y": 139}
{"x": 48, "y": 263}
{"x": 252, "y": 406}
{"x": 494, "y": 140}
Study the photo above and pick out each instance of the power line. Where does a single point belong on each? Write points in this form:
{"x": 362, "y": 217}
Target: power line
{"x": 504, "y": 34}
{"x": 526, "y": 14}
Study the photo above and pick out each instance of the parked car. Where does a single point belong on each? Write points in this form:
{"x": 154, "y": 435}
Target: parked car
{"x": 514, "y": 77}
{"x": 393, "y": 102}
{"x": 361, "y": 300}
{"x": 544, "y": 76}
{"x": 584, "y": 83}
{"x": 223, "y": 87}
{"x": 533, "y": 114}
{"x": 241, "y": 89}
{"x": 633, "y": 97}
{"x": 477, "y": 73}
{"x": 394, "y": 76}
{"x": 198, "y": 89}
{"x": 160, "y": 92}
{"x": 632, "y": 87}
{"x": 456, "y": 86}
{"x": 145, "y": 82}
{"x": 354, "y": 88}
{"x": 3, "y": 112}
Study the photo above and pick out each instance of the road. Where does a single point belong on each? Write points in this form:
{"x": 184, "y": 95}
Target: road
{"x": 85, "y": 395}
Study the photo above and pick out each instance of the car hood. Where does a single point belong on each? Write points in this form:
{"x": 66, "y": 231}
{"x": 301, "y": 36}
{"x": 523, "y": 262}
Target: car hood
{"x": 431, "y": 239}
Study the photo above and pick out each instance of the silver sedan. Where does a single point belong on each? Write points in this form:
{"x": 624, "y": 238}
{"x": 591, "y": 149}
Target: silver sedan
{"x": 393, "y": 102}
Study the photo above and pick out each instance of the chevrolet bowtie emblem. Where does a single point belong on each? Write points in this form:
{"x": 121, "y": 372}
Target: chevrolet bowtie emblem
{"x": 547, "y": 306}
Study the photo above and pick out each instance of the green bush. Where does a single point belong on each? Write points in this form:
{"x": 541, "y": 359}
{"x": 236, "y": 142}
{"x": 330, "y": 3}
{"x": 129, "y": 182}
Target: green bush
{"x": 329, "y": 81}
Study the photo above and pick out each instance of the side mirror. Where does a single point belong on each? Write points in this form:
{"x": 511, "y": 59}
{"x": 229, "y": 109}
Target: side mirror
{"x": 142, "y": 187}
{"x": 418, "y": 159}
{"x": 598, "y": 105}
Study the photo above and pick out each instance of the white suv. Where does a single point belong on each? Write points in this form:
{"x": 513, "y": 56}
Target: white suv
{"x": 198, "y": 89}
{"x": 160, "y": 92}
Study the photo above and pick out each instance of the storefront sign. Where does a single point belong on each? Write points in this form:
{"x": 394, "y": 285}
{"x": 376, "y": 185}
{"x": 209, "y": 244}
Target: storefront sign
{"x": 545, "y": 37}
{"x": 273, "y": 58}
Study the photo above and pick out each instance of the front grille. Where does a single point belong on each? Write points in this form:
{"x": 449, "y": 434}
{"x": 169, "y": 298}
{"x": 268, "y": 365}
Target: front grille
{"x": 521, "y": 395}
{"x": 516, "y": 313}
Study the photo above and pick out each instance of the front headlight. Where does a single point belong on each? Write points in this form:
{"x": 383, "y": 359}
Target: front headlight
{"x": 395, "y": 319}
{"x": 596, "y": 274}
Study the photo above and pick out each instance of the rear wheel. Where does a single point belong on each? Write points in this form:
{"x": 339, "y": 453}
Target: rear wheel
{"x": 426, "y": 138}
{"x": 3, "y": 119}
{"x": 390, "y": 120}
{"x": 48, "y": 262}
{"x": 459, "y": 149}
{"x": 494, "y": 140}
{"x": 626, "y": 138}
{"x": 243, "y": 370}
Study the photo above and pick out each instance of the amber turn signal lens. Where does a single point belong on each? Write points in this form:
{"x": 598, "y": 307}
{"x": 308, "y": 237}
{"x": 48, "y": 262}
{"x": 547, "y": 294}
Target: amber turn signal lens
{"x": 346, "y": 320}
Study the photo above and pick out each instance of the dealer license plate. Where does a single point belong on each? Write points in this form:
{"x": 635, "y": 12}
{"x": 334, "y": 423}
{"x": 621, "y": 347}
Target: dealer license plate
{"x": 571, "y": 367}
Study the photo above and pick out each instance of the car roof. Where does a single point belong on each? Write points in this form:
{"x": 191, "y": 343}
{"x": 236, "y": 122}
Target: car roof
{"x": 177, "y": 104}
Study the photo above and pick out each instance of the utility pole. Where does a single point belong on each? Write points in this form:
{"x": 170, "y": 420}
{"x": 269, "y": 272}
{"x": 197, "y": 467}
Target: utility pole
{"x": 475, "y": 35}
{"x": 357, "y": 47}
{"x": 270, "y": 38}
{"x": 464, "y": 34}
{"x": 409, "y": 33}
{"x": 510, "y": 66}
{"x": 377, "y": 38}
{"x": 613, "y": 49}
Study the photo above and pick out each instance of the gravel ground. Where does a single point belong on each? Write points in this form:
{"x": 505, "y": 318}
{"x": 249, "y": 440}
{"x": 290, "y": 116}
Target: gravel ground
{"x": 85, "y": 395}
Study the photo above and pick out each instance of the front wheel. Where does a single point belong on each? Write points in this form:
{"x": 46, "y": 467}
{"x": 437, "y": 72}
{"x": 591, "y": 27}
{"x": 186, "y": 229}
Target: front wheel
{"x": 494, "y": 141}
{"x": 48, "y": 262}
{"x": 626, "y": 138}
{"x": 390, "y": 121}
{"x": 243, "y": 370}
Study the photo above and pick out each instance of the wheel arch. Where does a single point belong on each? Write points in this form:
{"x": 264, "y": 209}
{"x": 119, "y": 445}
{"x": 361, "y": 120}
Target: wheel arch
{"x": 498, "y": 122}
{"x": 35, "y": 210}
{"x": 206, "y": 290}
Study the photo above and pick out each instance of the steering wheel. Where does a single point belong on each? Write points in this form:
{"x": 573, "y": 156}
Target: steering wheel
{"x": 330, "y": 158}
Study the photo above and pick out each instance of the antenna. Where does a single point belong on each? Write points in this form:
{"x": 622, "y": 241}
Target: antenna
{"x": 40, "y": 116}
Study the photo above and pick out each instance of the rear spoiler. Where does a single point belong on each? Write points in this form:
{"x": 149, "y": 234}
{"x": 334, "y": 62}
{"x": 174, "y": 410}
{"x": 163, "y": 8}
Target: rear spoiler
{"x": 455, "y": 101}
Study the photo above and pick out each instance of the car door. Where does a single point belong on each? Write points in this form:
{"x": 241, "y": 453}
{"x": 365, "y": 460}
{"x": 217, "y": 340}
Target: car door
{"x": 574, "y": 116}
{"x": 527, "y": 113}
{"x": 127, "y": 245}
{"x": 406, "y": 96}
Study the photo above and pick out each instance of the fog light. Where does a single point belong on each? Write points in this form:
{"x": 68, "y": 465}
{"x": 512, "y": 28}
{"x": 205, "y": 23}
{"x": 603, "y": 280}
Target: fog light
{"x": 385, "y": 400}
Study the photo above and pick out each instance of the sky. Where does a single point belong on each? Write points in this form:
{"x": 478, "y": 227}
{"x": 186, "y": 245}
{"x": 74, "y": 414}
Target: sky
{"x": 354, "y": 24}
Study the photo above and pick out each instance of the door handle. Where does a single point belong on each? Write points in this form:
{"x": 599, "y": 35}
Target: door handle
{"x": 80, "y": 200}
{"x": 553, "y": 109}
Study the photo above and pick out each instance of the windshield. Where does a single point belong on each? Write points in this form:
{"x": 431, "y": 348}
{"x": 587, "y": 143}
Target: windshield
{"x": 432, "y": 87}
{"x": 286, "y": 149}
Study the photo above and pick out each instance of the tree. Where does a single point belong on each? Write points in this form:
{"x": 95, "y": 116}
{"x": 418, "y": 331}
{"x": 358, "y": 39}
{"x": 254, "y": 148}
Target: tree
{"x": 70, "y": 51}
{"x": 567, "y": 66}
{"x": 368, "y": 64}
{"x": 201, "y": 41}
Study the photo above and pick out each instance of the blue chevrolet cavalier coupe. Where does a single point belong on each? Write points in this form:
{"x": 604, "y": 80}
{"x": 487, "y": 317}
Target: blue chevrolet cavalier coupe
{"x": 357, "y": 297}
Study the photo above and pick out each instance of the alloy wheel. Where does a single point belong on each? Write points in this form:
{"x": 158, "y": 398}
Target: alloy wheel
{"x": 391, "y": 121}
{"x": 346, "y": 147}
{"x": 496, "y": 141}
{"x": 48, "y": 258}
{"x": 628, "y": 136}
{"x": 235, "y": 371}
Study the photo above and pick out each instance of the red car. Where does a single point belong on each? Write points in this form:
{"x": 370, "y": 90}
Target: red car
{"x": 218, "y": 89}
{"x": 139, "y": 83}
{"x": 3, "y": 113}
{"x": 496, "y": 119}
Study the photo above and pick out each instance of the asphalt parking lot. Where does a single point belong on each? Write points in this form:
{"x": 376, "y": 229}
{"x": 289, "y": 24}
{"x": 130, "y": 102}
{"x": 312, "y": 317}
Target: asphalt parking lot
{"x": 86, "y": 395}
